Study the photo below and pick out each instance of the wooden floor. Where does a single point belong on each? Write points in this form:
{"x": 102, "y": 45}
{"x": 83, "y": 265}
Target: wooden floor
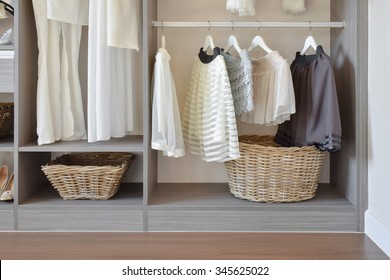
{"x": 191, "y": 246}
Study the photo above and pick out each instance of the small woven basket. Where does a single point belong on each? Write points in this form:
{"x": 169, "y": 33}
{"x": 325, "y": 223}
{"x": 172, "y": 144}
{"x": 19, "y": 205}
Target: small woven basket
{"x": 94, "y": 176}
{"x": 267, "y": 172}
{"x": 6, "y": 119}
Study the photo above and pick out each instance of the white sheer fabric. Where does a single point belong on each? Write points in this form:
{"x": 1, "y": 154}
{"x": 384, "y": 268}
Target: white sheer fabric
{"x": 209, "y": 123}
{"x": 110, "y": 75}
{"x": 166, "y": 124}
{"x": 273, "y": 91}
{"x": 60, "y": 113}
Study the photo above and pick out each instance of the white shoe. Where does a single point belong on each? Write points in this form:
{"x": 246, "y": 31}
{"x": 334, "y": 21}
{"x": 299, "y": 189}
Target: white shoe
{"x": 8, "y": 193}
{"x": 7, "y": 38}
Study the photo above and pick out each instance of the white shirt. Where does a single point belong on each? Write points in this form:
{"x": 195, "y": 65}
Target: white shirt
{"x": 166, "y": 124}
{"x": 69, "y": 11}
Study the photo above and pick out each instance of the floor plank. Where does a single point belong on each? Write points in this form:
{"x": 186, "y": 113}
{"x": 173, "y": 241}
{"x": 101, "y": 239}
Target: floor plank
{"x": 190, "y": 246}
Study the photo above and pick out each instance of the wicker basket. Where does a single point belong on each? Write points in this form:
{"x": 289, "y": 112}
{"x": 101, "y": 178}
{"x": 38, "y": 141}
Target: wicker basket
{"x": 267, "y": 172}
{"x": 6, "y": 119}
{"x": 94, "y": 176}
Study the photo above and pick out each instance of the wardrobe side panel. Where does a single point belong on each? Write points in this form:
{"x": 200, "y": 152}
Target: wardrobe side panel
{"x": 349, "y": 53}
{"x": 149, "y": 51}
{"x": 26, "y": 70}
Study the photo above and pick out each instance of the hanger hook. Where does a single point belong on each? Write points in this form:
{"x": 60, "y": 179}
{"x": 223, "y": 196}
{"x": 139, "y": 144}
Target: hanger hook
{"x": 259, "y": 25}
{"x": 162, "y": 25}
{"x": 209, "y": 25}
{"x": 310, "y": 26}
{"x": 232, "y": 25}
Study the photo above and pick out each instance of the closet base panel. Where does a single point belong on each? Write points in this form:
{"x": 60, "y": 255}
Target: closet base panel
{"x": 211, "y": 207}
{"x": 47, "y": 211}
{"x": 6, "y": 217}
{"x": 79, "y": 219}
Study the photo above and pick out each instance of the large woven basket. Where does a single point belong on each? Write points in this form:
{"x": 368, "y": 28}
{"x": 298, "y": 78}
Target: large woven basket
{"x": 267, "y": 172}
{"x": 6, "y": 119}
{"x": 94, "y": 176}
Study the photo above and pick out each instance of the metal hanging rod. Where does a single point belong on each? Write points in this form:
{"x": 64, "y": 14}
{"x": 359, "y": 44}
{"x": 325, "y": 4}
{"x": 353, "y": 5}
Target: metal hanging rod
{"x": 255, "y": 24}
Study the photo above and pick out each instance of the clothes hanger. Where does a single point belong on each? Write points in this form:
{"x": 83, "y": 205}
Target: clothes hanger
{"x": 8, "y": 7}
{"x": 309, "y": 42}
{"x": 163, "y": 42}
{"x": 208, "y": 42}
{"x": 259, "y": 42}
{"x": 232, "y": 42}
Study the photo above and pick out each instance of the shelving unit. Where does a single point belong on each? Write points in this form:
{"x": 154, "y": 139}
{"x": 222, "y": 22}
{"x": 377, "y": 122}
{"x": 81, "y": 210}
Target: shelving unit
{"x": 148, "y": 203}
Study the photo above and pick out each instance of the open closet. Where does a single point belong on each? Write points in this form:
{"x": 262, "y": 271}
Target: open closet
{"x": 186, "y": 194}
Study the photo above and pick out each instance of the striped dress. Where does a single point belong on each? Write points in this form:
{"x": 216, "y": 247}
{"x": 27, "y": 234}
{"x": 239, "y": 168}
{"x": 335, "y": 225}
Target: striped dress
{"x": 209, "y": 124}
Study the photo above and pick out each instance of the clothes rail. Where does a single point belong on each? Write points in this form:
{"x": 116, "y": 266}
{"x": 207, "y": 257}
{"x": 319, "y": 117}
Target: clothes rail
{"x": 255, "y": 24}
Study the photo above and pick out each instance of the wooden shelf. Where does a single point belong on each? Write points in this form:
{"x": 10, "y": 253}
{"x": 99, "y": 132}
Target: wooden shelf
{"x": 125, "y": 144}
{"x": 211, "y": 207}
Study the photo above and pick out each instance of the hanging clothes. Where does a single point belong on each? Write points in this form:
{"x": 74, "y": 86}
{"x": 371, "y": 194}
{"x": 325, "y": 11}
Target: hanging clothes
{"x": 241, "y": 82}
{"x": 209, "y": 123}
{"x": 111, "y": 68}
{"x": 60, "y": 113}
{"x": 317, "y": 121}
{"x": 166, "y": 124}
{"x": 273, "y": 91}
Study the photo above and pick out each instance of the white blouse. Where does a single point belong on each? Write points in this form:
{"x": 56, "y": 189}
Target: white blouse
{"x": 273, "y": 91}
{"x": 209, "y": 122}
{"x": 166, "y": 124}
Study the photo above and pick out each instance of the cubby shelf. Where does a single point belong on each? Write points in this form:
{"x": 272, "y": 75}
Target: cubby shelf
{"x": 126, "y": 144}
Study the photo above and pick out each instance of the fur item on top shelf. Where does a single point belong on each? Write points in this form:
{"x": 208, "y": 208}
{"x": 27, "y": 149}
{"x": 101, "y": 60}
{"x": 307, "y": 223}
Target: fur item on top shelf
{"x": 293, "y": 6}
{"x": 241, "y": 7}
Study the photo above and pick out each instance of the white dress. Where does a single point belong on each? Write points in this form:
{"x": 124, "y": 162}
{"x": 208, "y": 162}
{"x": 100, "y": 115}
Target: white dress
{"x": 166, "y": 124}
{"x": 209, "y": 123}
{"x": 60, "y": 113}
{"x": 273, "y": 91}
{"x": 111, "y": 70}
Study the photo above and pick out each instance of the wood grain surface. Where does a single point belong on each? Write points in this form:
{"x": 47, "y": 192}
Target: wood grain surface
{"x": 188, "y": 246}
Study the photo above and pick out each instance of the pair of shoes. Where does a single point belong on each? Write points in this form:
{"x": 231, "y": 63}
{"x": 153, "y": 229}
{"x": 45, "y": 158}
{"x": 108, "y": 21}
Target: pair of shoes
{"x": 6, "y": 184}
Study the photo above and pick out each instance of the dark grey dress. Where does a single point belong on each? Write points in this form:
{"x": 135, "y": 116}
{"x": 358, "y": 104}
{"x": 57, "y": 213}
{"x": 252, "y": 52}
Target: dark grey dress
{"x": 317, "y": 117}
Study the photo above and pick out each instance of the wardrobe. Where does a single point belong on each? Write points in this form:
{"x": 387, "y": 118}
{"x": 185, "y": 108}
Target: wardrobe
{"x": 160, "y": 194}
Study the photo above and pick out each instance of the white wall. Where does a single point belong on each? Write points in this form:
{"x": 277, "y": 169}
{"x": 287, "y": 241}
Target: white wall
{"x": 184, "y": 44}
{"x": 378, "y": 214}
